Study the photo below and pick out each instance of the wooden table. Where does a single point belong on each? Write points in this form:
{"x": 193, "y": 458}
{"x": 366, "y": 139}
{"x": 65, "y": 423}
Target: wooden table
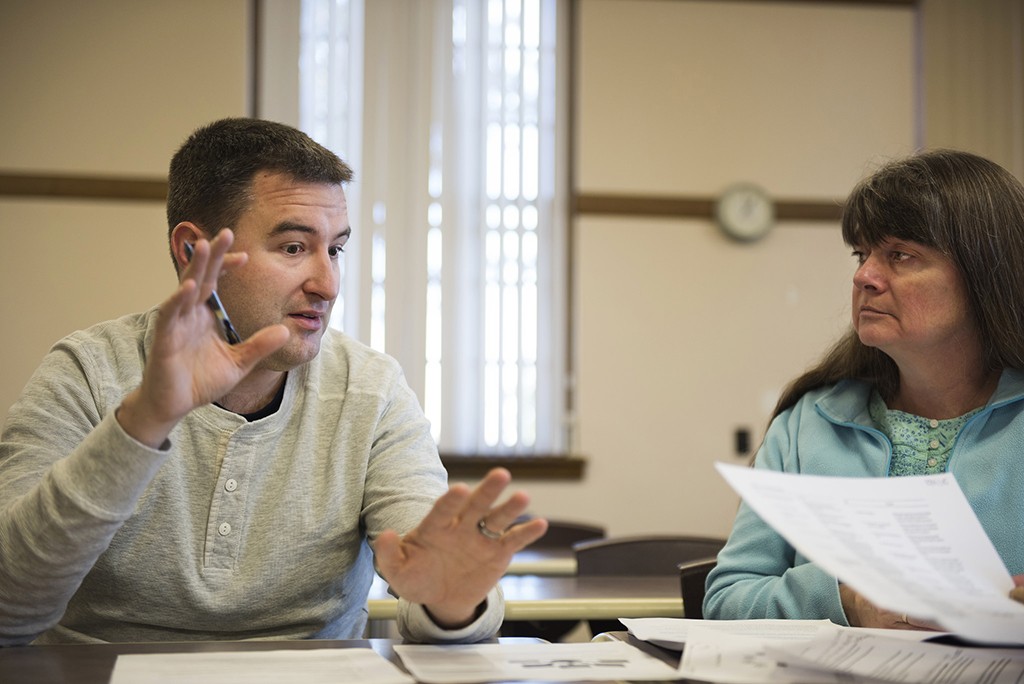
{"x": 550, "y": 562}
{"x": 94, "y": 663}
{"x": 529, "y": 597}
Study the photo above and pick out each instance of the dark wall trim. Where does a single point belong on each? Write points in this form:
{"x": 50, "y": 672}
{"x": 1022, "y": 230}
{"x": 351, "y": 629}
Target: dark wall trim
{"x": 255, "y": 66}
{"x": 694, "y": 207}
{"x": 155, "y": 189}
{"x": 83, "y": 187}
{"x": 553, "y": 467}
{"x": 893, "y": 3}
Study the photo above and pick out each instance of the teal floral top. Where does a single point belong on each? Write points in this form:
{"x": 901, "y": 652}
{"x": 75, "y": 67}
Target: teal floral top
{"x": 920, "y": 446}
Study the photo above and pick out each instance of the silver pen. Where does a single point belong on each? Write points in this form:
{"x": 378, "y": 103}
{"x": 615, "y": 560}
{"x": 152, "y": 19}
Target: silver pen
{"x": 230, "y": 334}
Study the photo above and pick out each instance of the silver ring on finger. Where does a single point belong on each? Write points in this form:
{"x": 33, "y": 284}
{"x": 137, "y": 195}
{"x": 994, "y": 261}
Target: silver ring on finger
{"x": 481, "y": 525}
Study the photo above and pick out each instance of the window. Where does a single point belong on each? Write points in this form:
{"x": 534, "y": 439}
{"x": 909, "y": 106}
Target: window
{"x": 452, "y": 114}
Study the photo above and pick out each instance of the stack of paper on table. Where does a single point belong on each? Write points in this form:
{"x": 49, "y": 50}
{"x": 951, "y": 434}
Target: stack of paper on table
{"x": 595, "y": 661}
{"x": 819, "y": 652}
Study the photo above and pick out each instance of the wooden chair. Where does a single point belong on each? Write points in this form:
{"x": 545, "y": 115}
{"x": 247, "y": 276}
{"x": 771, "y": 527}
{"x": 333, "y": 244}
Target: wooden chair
{"x": 561, "y": 534}
{"x": 640, "y": 555}
{"x": 693, "y": 578}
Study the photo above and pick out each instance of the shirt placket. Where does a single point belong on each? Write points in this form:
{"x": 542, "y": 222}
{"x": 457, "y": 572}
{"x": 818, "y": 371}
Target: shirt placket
{"x": 226, "y": 522}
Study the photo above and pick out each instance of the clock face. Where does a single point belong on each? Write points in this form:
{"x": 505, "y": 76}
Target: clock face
{"x": 745, "y": 212}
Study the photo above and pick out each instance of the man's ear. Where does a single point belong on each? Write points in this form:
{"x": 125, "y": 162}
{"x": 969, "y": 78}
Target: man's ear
{"x": 186, "y": 231}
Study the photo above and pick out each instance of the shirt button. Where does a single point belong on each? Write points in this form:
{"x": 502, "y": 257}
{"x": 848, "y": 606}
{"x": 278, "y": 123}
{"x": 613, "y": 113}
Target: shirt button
{"x": 934, "y": 423}
{"x": 224, "y": 529}
{"x": 231, "y": 485}
{"x": 932, "y": 462}
{"x": 934, "y": 444}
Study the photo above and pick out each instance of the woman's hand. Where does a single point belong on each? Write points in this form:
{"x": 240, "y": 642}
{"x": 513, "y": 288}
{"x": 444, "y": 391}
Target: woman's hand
{"x": 862, "y": 613}
{"x": 1017, "y": 593}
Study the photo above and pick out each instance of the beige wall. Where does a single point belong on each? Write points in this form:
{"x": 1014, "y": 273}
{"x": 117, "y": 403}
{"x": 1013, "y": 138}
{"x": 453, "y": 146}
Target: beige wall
{"x": 684, "y": 97}
{"x": 685, "y": 336}
{"x": 682, "y": 336}
{"x": 105, "y": 87}
{"x": 113, "y": 86}
{"x": 973, "y": 78}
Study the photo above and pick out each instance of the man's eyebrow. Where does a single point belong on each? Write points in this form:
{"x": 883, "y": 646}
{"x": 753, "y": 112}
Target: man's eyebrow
{"x": 289, "y": 227}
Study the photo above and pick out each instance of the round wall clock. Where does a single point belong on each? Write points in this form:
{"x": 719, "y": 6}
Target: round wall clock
{"x": 745, "y": 212}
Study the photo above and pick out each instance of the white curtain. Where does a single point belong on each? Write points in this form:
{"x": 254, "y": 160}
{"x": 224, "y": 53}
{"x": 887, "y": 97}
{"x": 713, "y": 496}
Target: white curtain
{"x": 452, "y": 113}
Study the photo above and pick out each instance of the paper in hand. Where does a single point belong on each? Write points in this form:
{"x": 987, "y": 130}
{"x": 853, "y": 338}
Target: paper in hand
{"x": 908, "y": 544}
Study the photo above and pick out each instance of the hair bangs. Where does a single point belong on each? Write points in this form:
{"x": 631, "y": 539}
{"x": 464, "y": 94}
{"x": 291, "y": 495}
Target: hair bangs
{"x": 881, "y": 208}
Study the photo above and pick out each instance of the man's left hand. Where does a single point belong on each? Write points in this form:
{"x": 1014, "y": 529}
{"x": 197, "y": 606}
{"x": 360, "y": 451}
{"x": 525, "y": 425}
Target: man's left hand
{"x": 448, "y": 563}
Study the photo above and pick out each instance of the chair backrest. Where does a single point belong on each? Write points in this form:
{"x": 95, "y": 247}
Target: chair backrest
{"x": 693, "y": 579}
{"x": 642, "y": 555}
{"x": 563, "y": 534}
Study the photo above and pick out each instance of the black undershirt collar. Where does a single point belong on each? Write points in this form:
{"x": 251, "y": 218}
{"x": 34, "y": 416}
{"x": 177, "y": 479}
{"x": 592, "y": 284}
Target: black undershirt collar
{"x": 267, "y": 410}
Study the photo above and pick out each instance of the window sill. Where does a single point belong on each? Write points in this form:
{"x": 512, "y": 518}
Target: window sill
{"x": 555, "y": 467}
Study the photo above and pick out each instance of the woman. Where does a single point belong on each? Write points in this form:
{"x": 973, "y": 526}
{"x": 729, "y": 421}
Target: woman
{"x": 929, "y": 379}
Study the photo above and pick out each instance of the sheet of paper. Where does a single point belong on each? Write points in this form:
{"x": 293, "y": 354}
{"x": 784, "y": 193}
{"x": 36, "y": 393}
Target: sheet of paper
{"x": 594, "y": 661}
{"x": 672, "y": 633}
{"x": 909, "y": 544}
{"x": 717, "y": 655}
{"x": 872, "y": 656}
{"x": 313, "y": 666}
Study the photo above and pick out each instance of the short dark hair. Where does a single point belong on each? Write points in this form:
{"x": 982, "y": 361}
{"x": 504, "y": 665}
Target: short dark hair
{"x": 970, "y": 209}
{"x": 212, "y": 172}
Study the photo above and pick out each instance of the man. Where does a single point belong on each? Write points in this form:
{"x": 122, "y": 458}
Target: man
{"x": 158, "y": 482}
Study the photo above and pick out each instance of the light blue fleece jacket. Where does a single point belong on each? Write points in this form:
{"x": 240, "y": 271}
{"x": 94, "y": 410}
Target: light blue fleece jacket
{"x": 238, "y": 530}
{"x": 829, "y": 432}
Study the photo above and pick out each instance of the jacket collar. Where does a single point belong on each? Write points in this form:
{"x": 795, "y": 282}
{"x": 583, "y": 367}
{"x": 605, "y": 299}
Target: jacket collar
{"x": 847, "y": 400}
